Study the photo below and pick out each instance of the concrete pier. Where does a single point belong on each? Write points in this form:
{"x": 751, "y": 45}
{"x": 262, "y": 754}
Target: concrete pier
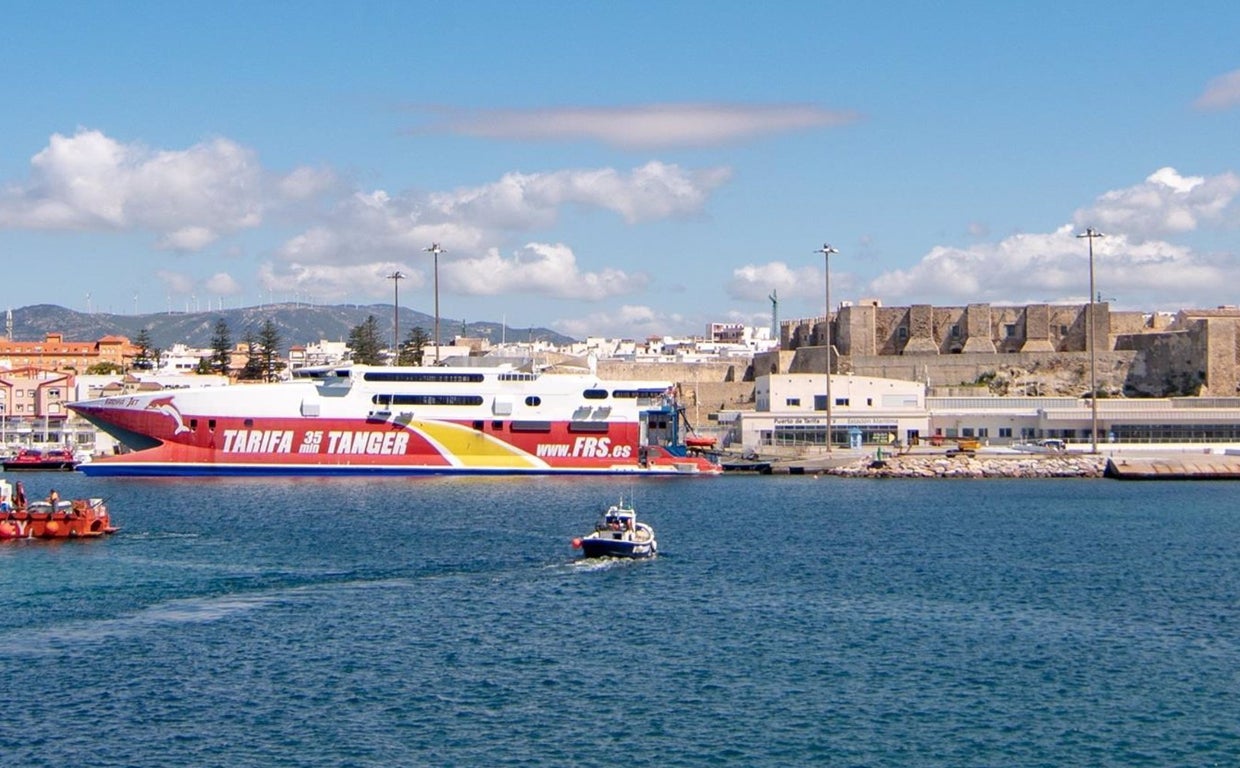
{"x": 1185, "y": 467}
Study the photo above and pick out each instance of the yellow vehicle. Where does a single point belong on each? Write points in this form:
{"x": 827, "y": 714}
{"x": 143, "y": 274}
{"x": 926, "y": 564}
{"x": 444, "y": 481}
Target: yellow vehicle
{"x": 968, "y": 444}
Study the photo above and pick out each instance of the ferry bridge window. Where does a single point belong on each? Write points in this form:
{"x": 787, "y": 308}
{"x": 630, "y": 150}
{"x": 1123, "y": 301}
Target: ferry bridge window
{"x": 497, "y": 426}
{"x": 533, "y": 400}
{"x": 595, "y": 394}
{"x": 427, "y": 400}
{"x": 630, "y": 394}
{"x": 421, "y": 377}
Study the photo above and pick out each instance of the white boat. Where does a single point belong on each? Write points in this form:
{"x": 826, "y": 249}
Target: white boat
{"x": 619, "y": 534}
{"x": 1049, "y": 445}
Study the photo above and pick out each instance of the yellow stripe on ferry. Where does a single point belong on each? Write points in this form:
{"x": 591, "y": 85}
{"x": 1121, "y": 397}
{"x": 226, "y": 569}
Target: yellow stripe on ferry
{"x": 466, "y": 447}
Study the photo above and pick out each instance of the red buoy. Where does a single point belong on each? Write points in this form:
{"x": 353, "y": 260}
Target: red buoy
{"x": 577, "y": 543}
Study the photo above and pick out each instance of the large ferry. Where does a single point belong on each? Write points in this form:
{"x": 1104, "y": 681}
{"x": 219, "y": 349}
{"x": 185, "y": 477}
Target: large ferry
{"x": 400, "y": 420}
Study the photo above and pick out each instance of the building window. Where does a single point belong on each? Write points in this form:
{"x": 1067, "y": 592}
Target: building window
{"x": 955, "y": 331}
{"x": 1009, "y": 331}
{"x": 966, "y": 432}
{"x": 983, "y": 432}
{"x": 793, "y": 402}
{"x": 1005, "y": 431}
{"x": 902, "y": 333}
{"x": 841, "y": 401}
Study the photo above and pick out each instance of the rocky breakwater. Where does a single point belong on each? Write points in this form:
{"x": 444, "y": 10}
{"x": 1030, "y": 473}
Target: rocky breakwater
{"x": 966, "y": 466}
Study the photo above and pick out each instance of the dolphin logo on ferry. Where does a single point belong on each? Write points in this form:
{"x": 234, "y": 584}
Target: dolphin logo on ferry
{"x": 164, "y": 405}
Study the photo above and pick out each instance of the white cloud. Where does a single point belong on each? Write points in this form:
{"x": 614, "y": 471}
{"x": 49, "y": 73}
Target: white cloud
{"x": 188, "y": 198}
{"x": 643, "y": 126}
{"x": 538, "y": 268}
{"x": 222, "y": 284}
{"x": 1031, "y": 268}
{"x": 625, "y": 322}
{"x": 175, "y": 282}
{"x": 376, "y": 225}
{"x": 1165, "y": 203}
{"x": 755, "y": 282}
{"x": 524, "y": 201}
{"x": 1223, "y": 92}
{"x": 187, "y": 239}
{"x": 333, "y": 283}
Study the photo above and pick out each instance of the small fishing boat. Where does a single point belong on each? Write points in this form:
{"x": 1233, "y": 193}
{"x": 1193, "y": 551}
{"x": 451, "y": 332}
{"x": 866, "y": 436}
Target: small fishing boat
{"x": 57, "y": 459}
{"x": 618, "y": 534}
{"x": 50, "y": 518}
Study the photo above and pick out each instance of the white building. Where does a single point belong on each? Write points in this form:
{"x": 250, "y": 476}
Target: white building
{"x": 791, "y": 411}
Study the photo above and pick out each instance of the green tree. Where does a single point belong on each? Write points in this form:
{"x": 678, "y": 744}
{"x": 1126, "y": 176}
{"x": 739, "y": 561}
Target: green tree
{"x": 142, "y": 361}
{"x": 104, "y": 369}
{"x": 411, "y": 350}
{"x": 221, "y": 347}
{"x": 253, "y": 369}
{"x": 269, "y": 350}
{"x": 365, "y": 343}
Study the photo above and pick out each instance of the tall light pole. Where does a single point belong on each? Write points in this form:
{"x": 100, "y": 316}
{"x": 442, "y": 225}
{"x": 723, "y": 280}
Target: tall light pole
{"x": 1090, "y": 233}
{"x": 826, "y": 250}
{"x": 436, "y": 250}
{"x": 396, "y": 277}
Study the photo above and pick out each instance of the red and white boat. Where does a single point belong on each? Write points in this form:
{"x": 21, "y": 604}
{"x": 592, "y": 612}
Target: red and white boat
{"x": 406, "y": 420}
{"x": 50, "y": 518}
{"x": 35, "y": 459}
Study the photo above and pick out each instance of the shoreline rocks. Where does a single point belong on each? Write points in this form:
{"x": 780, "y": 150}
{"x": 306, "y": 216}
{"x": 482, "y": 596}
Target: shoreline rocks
{"x": 963, "y": 466}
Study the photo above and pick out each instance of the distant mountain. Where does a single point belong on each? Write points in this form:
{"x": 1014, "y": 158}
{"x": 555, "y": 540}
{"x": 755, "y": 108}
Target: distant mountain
{"x": 298, "y": 323}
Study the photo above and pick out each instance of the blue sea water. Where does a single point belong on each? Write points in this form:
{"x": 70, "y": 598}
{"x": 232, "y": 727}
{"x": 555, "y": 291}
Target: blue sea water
{"x": 786, "y": 621}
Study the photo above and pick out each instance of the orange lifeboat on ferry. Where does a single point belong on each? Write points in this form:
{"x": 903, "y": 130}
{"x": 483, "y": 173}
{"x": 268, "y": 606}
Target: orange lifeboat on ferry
{"x": 699, "y": 443}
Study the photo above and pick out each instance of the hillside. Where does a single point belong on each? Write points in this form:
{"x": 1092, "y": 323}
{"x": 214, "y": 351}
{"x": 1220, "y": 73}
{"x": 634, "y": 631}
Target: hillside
{"x": 298, "y": 324}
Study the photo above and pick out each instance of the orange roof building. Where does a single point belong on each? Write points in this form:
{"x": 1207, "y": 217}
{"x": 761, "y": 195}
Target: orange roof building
{"x": 54, "y": 353}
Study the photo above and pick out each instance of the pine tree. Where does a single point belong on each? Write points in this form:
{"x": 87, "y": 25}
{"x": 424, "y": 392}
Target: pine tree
{"x": 411, "y": 350}
{"x": 221, "y": 347}
{"x": 269, "y": 350}
{"x": 143, "y": 342}
{"x": 365, "y": 344}
{"x": 253, "y": 370}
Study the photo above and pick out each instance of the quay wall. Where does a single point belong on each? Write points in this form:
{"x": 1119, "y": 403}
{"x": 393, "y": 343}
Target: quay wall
{"x": 963, "y": 466}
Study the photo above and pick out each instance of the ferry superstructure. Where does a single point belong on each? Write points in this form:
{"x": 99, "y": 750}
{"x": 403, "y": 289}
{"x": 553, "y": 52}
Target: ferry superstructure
{"x": 399, "y": 420}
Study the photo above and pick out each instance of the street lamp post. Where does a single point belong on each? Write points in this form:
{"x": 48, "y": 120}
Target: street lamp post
{"x": 396, "y": 277}
{"x": 826, "y": 250}
{"x": 1090, "y": 233}
{"x": 436, "y": 250}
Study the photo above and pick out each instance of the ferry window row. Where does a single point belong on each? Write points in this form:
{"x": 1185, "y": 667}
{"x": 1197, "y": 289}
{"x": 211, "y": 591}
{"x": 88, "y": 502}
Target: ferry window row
{"x": 389, "y": 400}
{"x": 424, "y": 377}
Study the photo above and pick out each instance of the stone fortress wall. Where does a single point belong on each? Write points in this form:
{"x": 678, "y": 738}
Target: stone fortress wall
{"x": 1032, "y": 349}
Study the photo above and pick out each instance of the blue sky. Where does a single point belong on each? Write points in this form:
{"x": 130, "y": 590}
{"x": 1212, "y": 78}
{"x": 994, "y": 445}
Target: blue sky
{"x": 619, "y": 168}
